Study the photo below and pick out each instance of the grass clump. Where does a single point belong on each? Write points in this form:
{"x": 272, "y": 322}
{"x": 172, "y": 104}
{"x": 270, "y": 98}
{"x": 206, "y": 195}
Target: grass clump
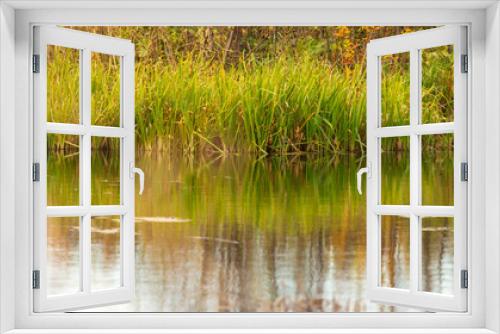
{"x": 283, "y": 103}
{"x": 278, "y": 106}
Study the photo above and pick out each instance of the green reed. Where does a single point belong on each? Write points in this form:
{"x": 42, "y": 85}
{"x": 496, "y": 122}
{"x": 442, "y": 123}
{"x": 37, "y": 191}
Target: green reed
{"x": 280, "y": 105}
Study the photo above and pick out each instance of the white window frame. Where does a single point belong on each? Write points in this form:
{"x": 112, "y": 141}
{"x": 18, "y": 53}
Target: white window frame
{"x": 85, "y": 43}
{"x": 414, "y": 44}
{"x": 483, "y": 18}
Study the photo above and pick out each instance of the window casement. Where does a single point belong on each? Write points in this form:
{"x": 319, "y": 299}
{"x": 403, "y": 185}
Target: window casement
{"x": 28, "y": 310}
{"x": 85, "y": 211}
{"x": 410, "y": 215}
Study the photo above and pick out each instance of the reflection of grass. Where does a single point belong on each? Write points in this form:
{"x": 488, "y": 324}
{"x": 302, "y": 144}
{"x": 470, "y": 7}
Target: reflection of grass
{"x": 302, "y": 210}
{"x": 263, "y": 194}
{"x": 296, "y": 213}
{"x": 105, "y": 187}
{"x": 63, "y": 177}
{"x": 276, "y": 106}
{"x": 437, "y": 177}
{"x": 395, "y": 178}
{"x": 299, "y": 177}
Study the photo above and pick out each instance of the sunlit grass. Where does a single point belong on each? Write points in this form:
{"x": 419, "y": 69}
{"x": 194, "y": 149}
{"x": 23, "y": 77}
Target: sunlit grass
{"x": 277, "y": 106}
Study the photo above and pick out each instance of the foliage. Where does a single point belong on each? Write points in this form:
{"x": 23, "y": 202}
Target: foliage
{"x": 267, "y": 90}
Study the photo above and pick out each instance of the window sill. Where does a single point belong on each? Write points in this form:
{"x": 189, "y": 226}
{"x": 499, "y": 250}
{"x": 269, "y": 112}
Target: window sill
{"x": 252, "y": 331}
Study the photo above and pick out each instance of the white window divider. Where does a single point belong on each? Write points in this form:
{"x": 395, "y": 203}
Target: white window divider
{"x": 86, "y": 43}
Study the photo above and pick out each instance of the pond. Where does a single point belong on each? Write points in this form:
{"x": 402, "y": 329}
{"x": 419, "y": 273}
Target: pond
{"x": 245, "y": 234}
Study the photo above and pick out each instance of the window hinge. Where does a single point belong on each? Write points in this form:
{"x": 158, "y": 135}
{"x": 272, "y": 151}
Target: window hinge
{"x": 36, "y": 172}
{"x": 36, "y": 279}
{"x": 464, "y": 279}
{"x": 464, "y": 171}
{"x": 465, "y": 64}
{"x": 36, "y": 63}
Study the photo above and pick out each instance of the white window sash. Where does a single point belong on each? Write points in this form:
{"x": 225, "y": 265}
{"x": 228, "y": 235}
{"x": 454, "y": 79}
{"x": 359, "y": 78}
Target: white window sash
{"x": 86, "y": 43}
{"x": 412, "y": 43}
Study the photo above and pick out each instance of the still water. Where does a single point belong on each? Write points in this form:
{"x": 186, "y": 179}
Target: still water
{"x": 240, "y": 234}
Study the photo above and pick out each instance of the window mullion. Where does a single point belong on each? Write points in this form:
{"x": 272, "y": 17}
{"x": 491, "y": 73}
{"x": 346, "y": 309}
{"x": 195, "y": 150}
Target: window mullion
{"x": 415, "y": 169}
{"x": 85, "y": 171}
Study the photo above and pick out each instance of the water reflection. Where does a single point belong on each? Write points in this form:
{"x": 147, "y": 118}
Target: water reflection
{"x": 239, "y": 234}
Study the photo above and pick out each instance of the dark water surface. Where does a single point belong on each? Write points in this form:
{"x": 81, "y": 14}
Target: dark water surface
{"x": 240, "y": 234}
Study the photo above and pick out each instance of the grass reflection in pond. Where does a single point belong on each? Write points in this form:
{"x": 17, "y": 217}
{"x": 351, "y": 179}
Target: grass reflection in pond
{"x": 240, "y": 234}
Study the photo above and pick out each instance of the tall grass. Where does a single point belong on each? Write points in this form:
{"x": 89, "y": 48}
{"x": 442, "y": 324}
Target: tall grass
{"x": 275, "y": 107}
{"x": 280, "y": 105}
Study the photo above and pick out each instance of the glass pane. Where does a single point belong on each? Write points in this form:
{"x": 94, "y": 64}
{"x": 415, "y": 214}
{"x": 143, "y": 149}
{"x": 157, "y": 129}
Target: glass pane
{"x": 63, "y": 255}
{"x": 105, "y": 171}
{"x": 437, "y": 84}
{"x": 395, "y": 248}
{"x": 395, "y": 170}
{"x": 395, "y": 89}
{"x": 106, "y": 261}
{"x": 437, "y": 170}
{"x": 437, "y": 255}
{"x": 63, "y": 84}
{"x": 105, "y": 90}
{"x": 63, "y": 168}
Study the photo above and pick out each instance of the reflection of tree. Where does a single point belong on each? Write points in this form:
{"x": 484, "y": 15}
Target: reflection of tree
{"x": 395, "y": 256}
{"x": 105, "y": 252}
{"x": 63, "y": 186}
{"x": 264, "y": 212}
{"x": 279, "y": 234}
{"x": 437, "y": 255}
{"x": 63, "y": 255}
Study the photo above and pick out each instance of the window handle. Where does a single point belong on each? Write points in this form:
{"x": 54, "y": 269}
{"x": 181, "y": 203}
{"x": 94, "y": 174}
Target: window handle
{"x": 134, "y": 170}
{"x": 365, "y": 170}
